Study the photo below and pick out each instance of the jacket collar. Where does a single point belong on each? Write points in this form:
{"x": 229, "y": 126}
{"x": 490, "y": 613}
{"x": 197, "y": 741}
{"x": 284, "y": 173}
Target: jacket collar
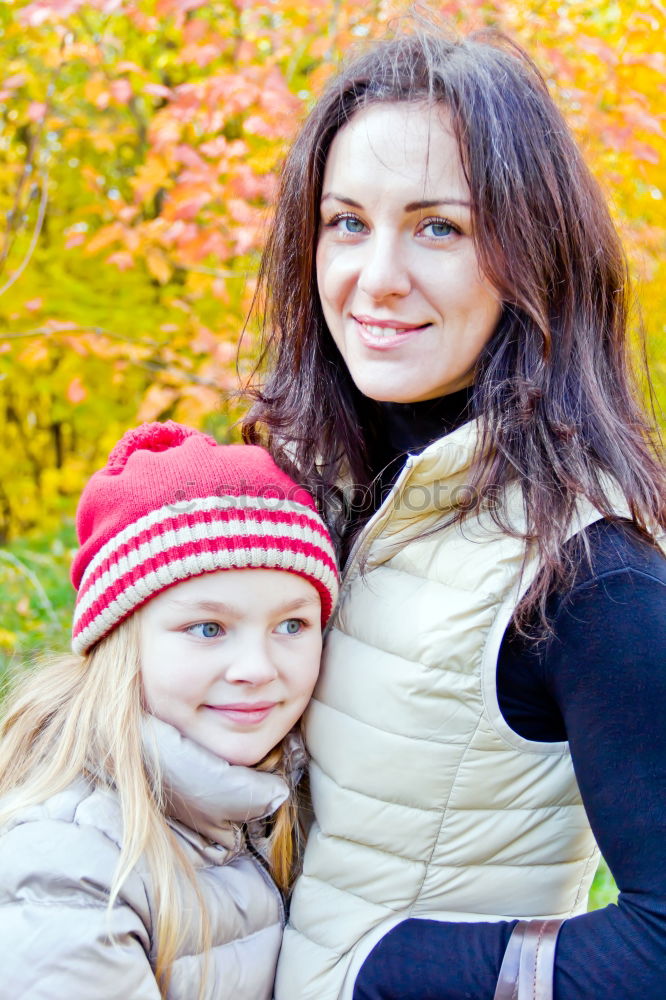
{"x": 429, "y": 489}
{"x": 204, "y": 792}
{"x": 433, "y": 483}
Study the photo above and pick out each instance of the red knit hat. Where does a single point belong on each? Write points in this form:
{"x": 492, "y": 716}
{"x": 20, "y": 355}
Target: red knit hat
{"x": 170, "y": 504}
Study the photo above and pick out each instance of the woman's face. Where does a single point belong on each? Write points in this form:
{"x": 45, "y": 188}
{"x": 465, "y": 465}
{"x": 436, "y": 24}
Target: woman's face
{"x": 397, "y": 272}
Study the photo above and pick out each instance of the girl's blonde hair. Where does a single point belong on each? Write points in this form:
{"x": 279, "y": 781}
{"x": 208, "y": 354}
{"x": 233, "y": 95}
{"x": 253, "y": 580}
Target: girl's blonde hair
{"x": 82, "y": 715}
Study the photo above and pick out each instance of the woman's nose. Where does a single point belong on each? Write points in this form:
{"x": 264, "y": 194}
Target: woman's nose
{"x": 384, "y": 269}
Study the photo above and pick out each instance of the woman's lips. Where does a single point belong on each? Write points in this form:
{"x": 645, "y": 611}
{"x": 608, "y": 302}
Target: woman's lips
{"x": 248, "y": 714}
{"x": 385, "y": 334}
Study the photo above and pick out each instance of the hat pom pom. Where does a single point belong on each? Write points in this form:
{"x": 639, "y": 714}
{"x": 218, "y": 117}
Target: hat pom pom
{"x": 150, "y": 437}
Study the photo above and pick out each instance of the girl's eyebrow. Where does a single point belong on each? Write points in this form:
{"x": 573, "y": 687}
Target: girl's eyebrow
{"x": 214, "y": 607}
{"x": 224, "y": 608}
{"x": 300, "y": 602}
{"x": 412, "y": 206}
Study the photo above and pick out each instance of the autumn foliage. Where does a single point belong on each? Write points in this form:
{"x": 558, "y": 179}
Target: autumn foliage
{"x": 140, "y": 145}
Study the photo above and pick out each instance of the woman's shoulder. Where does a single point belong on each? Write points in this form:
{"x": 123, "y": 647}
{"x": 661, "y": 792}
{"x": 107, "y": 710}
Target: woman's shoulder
{"x": 617, "y": 547}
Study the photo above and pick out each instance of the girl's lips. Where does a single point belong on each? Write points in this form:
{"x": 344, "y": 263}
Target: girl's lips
{"x": 385, "y": 334}
{"x": 245, "y": 714}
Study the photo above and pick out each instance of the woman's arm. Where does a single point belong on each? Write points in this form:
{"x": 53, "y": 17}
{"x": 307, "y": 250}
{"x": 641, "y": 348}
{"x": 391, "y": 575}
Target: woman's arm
{"x": 607, "y": 673}
{"x": 57, "y": 938}
{"x": 604, "y": 674}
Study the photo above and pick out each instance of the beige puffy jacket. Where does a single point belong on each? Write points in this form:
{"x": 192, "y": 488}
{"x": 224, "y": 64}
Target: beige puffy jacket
{"x": 426, "y": 803}
{"x": 57, "y": 862}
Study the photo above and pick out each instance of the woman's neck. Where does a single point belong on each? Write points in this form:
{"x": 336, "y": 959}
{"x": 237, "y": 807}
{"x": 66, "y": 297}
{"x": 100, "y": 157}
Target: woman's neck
{"x": 411, "y": 427}
{"x": 400, "y": 429}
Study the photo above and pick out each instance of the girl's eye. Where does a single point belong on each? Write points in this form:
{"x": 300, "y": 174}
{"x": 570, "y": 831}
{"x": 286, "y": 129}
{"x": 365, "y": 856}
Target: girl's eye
{"x": 292, "y": 626}
{"x": 438, "y": 228}
{"x": 206, "y": 630}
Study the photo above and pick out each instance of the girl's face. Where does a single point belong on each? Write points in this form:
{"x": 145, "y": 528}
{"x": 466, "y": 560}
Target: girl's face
{"x": 397, "y": 272}
{"x": 230, "y": 658}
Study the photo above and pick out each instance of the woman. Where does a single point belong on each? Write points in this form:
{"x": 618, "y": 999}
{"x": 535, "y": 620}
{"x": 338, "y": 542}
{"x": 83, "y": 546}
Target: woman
{"x": 447, "y": 300}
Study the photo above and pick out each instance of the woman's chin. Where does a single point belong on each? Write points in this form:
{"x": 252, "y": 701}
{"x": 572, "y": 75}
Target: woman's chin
{"x": 401, "y": 391}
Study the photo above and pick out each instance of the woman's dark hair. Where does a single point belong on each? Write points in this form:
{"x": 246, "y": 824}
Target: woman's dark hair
{"x": 554, "y": 385}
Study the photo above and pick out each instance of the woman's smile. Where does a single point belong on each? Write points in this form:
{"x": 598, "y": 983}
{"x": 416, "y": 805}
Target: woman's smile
{"x": 397, "y": 271}
{"x": 389, "y": 332}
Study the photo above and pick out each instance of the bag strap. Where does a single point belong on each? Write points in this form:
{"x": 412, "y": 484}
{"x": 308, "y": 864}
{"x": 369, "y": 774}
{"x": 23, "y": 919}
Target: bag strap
{"x": 529, "y": 961}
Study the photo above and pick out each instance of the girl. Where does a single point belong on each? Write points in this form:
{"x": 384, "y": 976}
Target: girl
{"x": 148, "y": 780}
{"x": 446, "y": 295}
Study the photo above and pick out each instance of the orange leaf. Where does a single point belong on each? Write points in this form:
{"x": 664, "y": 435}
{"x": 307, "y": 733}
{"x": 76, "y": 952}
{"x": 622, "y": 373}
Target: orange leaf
{"x": 157, "y": 90}
{"x": 36, "y": 111}
{"x": 156, "y": 402}
{"x": 76, "y": 391}
{"x": 112, "y": 233}
{"x": 120, "y": 91}
{"x": 121, "y": 259}
{"x": 23, "y": 606}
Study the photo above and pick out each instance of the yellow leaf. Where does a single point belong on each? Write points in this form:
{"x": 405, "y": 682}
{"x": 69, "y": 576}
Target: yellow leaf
{"x": 149, "y": 177}
{"x": 7, "y": 639}
{"x": 158, "y": 265}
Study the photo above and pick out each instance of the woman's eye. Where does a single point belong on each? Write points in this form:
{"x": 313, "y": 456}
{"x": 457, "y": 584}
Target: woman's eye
{"x": 350, "y": 224}
{"x": 292, "y": 626}
{"x": 206, "y": 630}
{"x": 353, "y": 225}
{"x": 438, "y": 228}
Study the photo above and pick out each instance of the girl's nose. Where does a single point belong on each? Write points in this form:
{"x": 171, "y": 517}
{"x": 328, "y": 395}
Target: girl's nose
{"x": 384, "y": 269}
{"x": 251, "y": 664}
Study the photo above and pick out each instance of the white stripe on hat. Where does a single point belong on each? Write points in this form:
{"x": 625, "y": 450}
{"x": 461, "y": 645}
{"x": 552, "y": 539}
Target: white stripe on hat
{"x": 202, "y": 505}
{"x": 194, "y": 565}
{"x": 92, "y": 590}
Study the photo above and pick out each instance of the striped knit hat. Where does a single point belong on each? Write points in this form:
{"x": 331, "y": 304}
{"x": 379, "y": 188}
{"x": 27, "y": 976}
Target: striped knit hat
{"x": 170, "y": 504}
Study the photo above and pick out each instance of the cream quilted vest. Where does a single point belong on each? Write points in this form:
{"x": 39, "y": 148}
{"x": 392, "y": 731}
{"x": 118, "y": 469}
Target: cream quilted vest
{"x": 427, "y": 804}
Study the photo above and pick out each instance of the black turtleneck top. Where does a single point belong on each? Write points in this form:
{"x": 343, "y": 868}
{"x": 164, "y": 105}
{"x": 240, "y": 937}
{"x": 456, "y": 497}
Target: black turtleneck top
{"x": 599, "y": 681}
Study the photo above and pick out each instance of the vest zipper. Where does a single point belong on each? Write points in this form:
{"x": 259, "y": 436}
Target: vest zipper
{"x": 374, "y": 526}
{"x": 372, "y": 529}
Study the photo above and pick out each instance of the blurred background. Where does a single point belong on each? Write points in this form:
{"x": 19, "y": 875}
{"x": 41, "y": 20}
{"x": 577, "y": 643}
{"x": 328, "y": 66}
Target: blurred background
{"x": 140, "y": 142}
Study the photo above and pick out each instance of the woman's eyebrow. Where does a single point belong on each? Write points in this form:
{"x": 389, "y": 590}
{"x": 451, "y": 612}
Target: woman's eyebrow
{"x": 414, "y": 206}
{"x": 341, "y": 197}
